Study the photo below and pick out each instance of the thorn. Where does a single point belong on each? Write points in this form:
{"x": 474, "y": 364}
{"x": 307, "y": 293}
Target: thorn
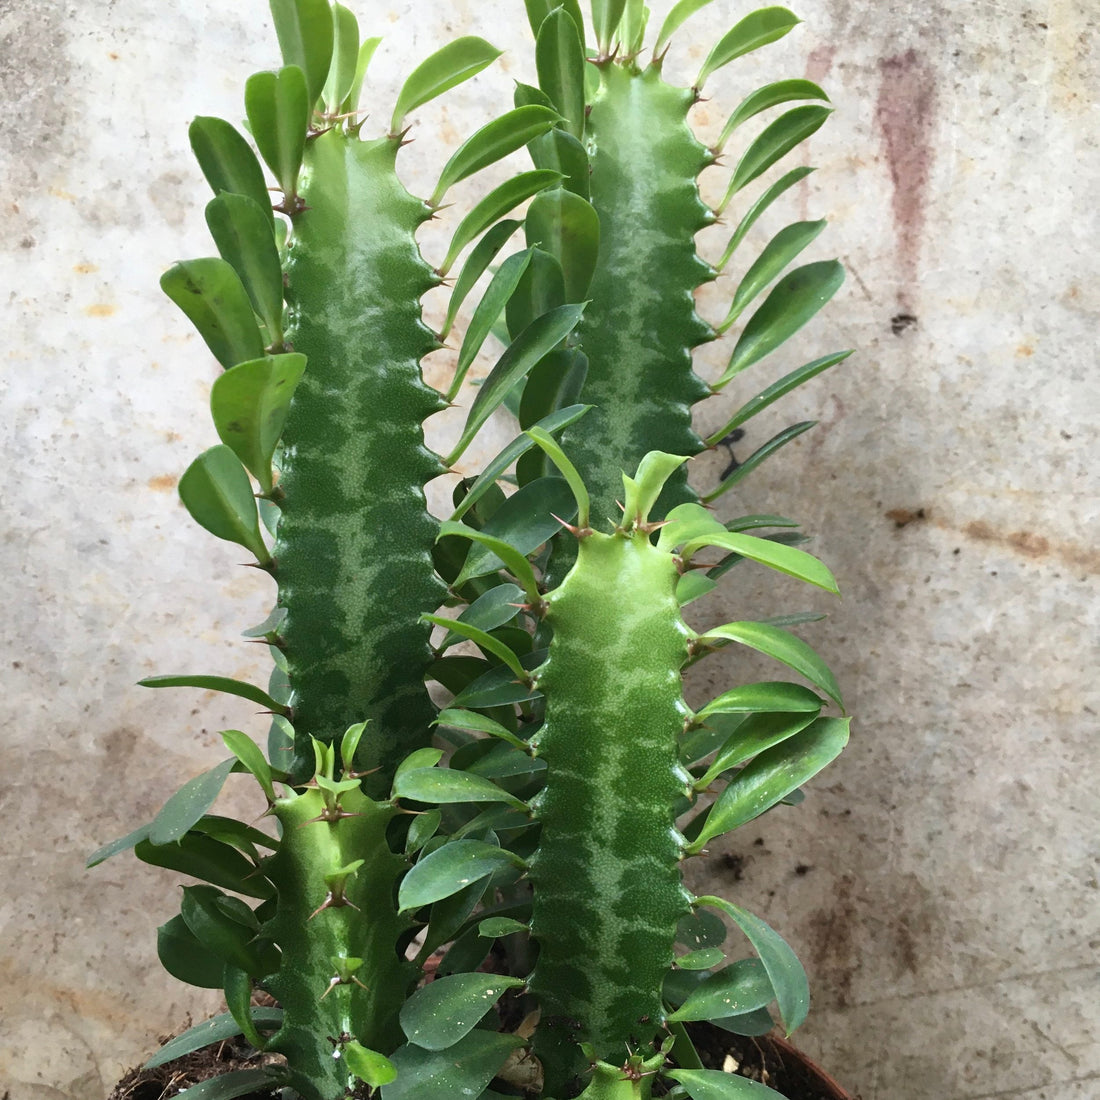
{"x": 330, "y": 816}
{"x": 577, "y": 532}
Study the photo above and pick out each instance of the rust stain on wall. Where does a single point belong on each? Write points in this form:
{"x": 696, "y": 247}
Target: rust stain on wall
{"x": 163, "y": 483}
{"x": 905, "y": 111}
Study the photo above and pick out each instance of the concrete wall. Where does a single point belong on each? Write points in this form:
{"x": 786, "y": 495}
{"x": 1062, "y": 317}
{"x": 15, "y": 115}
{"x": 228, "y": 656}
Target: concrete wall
{"x": 940, "y": 881}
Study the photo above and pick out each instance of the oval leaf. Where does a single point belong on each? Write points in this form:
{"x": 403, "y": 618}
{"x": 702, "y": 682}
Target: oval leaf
{"x": 454, "y": 63}
{"x": 435, "y": 785}
{"x": 186, "y": 959}
{"x": 216, "y": 491}
{"x": 445, "y": 1010}
{"x": 757, "y": 29}
{"x": 218, "y": 932}
{"x": 462, "y": 1070}
{"x": 189, "y": 804}
{"x": 249, "y": 404}
{"x": 492, "y": 142}
{"x": 774, "y": 143}
{"x": 701, "y": 960}
{"x": 538, "y": 10}
{"x": 368, "y": 1065}
{"x": 494, "y": 608}
{"x": 305, "y": 31}
{"x": 772, "y": 695}
{"x": 215, "y": 301}
{"x": 771, "y": 95}
{"x": 559, "y": 61}
{"x": 204, "y": 858}
{"x": 237, "y": 986}
{"x": 245, "y": 241}
{"x": 278, "y": 109}
{"x": 249, "y": 754}
{"x": 752, "y": 737}
{"x": 469, "y": 720}
{"x": 715, "y": 1084}
{"x": 793, "y": 302}
{"x": 741, "y": 987}
{"x": 449, "y": 869}
{"x": 771, "y": 776}
{"x": 228, "y": 163}
{"x": 568, "y": 228}
{"x": 496, "y": 927}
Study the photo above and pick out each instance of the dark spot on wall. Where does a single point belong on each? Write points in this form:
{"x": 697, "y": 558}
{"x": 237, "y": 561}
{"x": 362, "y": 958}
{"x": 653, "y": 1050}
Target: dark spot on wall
{"x": 734, "y": 865}
{"x": 832, "y": 942}
{"x": 902, "y": 322}
{"x": 902, "y": 517}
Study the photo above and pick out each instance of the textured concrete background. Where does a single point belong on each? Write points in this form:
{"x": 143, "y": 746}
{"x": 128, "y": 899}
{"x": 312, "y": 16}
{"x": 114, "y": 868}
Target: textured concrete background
{"x": 940, "y": 882}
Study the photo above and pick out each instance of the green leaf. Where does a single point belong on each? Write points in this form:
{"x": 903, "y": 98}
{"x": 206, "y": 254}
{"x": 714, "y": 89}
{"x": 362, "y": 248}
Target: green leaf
{"x": 368, "y": 1065}
{"x": 442, "y": 1012}
{"x": 701, "y": 960}
{"x": 278, "y": 109}
{"x": 469, "y": 720}
{"x": 422, "y": 829}
{"x": 680, "y": 11}
{"x": 758, "y": 207}
{"x": 462, "y": 1070}
{"x": 513, "y": 559}
{"x": 785, "y": 559}
{"x": 500, "y": 201}
{"x": 792, "y": 991}
{"x": 555, "y": 422}
{"x": 687, "y": 521}
{"x": 559, "y": 61}
{"x": 568, "y": 228}
{"x": 772, "y": 695}
{"x": 527, "y": 519}
{"x": 454, "y": 63}
{"x": 306, "y": 33}
{"x": 366, "y": 52}
{"x": 632, "y": 27}
{"x": 779, "y": 252}
{"x": 439, "y": 786}
{"x": 741, "y": 987}
{"x": 538, "y": 10}
{"x": 643, "y": 489}
{"x": 485, "y": 641}
{"x": 228, "y": 163}
{"x": 498, "y": 687}
{"x": 757, "y": 29}
{"x": 771, "y": 95}
{"x": 241, "y": 1082}
{"x": 224, "y": 684}
{"x": 216, "y": 491}
{"x": 775, "y": 391}
{"x": 186, "y": 959}
{"x": 495, "y": 928}
{"x": 764, "y": 451}
{"x": 774, "y": 143}
{"x": 123, "y": 844}
{"x": 541, "y": 289}
{"x": 561, "y": 151}
{"x": 543, "y": 334}
{"x": 215, "y": 301}
{"x": 249, "y": 404}
{"x": 218, "y": 932}
{"x": 606, "y": 15}
{"x": 752, "y": 736}
{"x": 568, "y": 471}
{"x": 783, "y": 646}
{"x": 493, "y": 301}
{"x": 245, "y": 241}
{"x": 345, "y": 59}
{"x": 189, "y": 804}
{"x": 491, "y": 143}
{"x": 238, "y": 996}
{"x": 794, "y": 301}
{"x": 556, "y": 381}
{"x": 491, "y": 609}
{"x": 700, "y": 930}
{"x": 716, "y": 1084}
{"x": 249, "y": 754}
{"x": 204, "y": 858}
{"x": 755, "y": 1023}
{"x": 449, "y": 869}
{"x": 771, "y": 776}
{"x": 693, "y": 586}
{"x": 215, "y": 1030}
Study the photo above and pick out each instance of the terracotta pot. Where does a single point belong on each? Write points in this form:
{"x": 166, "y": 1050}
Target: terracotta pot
{"x": 770, "y": 1060}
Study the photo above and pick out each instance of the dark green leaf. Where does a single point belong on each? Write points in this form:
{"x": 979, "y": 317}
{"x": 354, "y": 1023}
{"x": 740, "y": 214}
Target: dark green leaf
{"x": 215, "y": 683}
{"x": 772, "y": 775}
{"x": 556, "y": 381}
{"x": 498, "y": 687}
{"x": 468, "y": 720}
{"x": 368, "y": 1065}
{"x": 454, "y": 63}
{"x": 716, "y": 1084}
{"x": 345, "y": 59}
{"x": 278, "y": 108}
{"x": 462, "y": 1070}
{"x": 775, "y": 391}
{"x": 792, "y": 991}
{"x": 249, "y": 754}
{"x": 764, "y": 451}
{"x": 568, "y": 228}
{"x": 123, "y": 844}
{"x": 498, "y": 549}
{"x": 445, "y": 1010}
{"x": 215, "y": 1030}
{"x": 771, "y": 95}
{"x": 242, "y": 232}
{"x": 681, "y": 10}
{"x": 422, "y": 829}
{"x": 249, "y": 404}
{"x": 783, "y": 646}
{"x": 491, "y": 143}
{"x": 703, "y": 959}
{"x": 543, "y": 334}
{"x": 560, "y": 151}
{"x": 605, "y": 22}
{"x": 559, "y": 60}
{"x": 305, "y": 30}
{"x": 741, "y": 987}
{"x": 185, "y": 958}
{"x": 215, "y": 301}
{"x": 241, "y": 1082}
{"x": 779, "y": 252}
{"x": 693, "y": 586}
{"x": 217, "y": 931}
{"x": 541, "y": 290}
{"x": 758, "y": 207}
{"x": 189, "y": 804}
{"x": 228, "y": 163}
{"x": 494, "y": 608}
{"x": 774, "y": 143}
{"x": 449, "y": 869}
{"x": 496, "y": 927}
{"x": 772, "y": 695}
{"x": 759, "y": 1022}
{"x": 216, "y": 491}
{"x": 493, "y": 301}
{"x": 437, "y": 785}
{"x": 238, "y": 996}
{"x": 757, "y": 29}
{"x": 204, "y": 858}
{"x": 796, "y": 298}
